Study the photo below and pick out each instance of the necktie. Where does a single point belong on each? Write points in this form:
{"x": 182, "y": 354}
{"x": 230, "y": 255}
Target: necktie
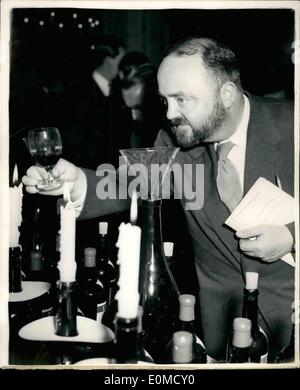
{"x": 228, "y": 182}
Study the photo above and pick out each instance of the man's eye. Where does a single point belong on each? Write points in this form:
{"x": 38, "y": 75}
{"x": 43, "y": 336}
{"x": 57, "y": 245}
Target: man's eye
{"x": 180, "y": 100}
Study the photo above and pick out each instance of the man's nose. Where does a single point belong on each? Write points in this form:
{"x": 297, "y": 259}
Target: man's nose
{"x": 172, "y": 111}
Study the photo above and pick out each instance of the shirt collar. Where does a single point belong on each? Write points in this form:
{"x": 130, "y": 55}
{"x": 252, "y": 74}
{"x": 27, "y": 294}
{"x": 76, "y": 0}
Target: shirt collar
{"x": 102, "y": 83}
{"x": 239, "y": 137}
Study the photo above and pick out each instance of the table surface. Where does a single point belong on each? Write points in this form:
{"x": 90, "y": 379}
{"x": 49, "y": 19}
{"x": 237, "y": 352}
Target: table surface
{"x": 89, "y": 331}
{"x": 30, "y": 290}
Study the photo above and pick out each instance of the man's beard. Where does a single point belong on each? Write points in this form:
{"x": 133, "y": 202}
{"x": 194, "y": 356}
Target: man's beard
{"x": 189, "y": 136}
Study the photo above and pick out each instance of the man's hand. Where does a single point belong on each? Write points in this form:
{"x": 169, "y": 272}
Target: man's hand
{"x": 270, "y": 243}
{"x": 63, "y": 171}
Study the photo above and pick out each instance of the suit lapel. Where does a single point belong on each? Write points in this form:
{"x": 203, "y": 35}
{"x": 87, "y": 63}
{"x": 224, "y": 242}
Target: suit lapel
{"x": 263, "y": 157}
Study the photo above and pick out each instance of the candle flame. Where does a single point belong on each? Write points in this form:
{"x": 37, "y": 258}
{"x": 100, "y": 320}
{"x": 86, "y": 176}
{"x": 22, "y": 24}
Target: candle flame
{"x": 15, "y": 176}
{"x": 133, "y": 208}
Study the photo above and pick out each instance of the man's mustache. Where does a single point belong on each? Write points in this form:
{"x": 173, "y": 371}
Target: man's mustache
{"x": 178, "y": 122}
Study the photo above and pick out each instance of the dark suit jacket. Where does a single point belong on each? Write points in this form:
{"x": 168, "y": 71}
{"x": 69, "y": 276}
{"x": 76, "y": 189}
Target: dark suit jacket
{"x": 220, "y": 264}
{"x": 91, "y": 124}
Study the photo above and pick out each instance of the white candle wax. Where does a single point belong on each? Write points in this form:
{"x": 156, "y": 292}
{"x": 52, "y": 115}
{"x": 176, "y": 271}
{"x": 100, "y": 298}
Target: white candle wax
{"x": 67, "y": 265}
{"x": 129, "y": 259}
{"x": 15, "y": 210}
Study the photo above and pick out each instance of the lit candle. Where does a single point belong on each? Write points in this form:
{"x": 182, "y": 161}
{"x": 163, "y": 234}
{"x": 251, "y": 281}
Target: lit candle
{"x": 67, "y": 265}
{"x": 129, "y": 242}
{"x": 15, "y": 209}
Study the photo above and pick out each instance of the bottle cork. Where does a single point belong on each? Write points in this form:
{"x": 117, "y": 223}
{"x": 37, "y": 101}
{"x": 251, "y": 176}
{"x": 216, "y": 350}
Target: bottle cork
{"x": 251, "y": 280}
{"x": 187, "y": 307}
{"x": 168, "y": 248}
{"x": 182, "y": 347}
{"x": 103, "y": 226}
{"x": 90, "y": 257}
{"x": 241, "y": 332}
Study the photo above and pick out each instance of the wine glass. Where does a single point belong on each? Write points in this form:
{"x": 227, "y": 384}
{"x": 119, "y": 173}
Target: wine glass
{"x": 45, "y": 146}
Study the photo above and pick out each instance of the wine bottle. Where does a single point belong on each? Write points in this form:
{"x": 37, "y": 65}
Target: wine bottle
{"x": 182, "y": 347}
{"x": 107, "y": 273}
{"x": 259, "y": 347}
{"x": 92, "y": 300}
{"x": 287, "y": 354}
{"x": 157, "y": 288}
{"x": 187, "y": 323}
{"x": 143, "y": 356}
{"x": 15, "y": 270}
{"x": 36, "y": 270}
{"x": 37, "y": 244}
{"x": 239, "y": 343}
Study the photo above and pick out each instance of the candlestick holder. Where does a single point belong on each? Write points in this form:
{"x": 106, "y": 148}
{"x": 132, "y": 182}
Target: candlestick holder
{"x": 65, "y": 318}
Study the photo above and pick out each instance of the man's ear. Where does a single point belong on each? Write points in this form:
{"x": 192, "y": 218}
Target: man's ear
{"x": 228, "y": 94}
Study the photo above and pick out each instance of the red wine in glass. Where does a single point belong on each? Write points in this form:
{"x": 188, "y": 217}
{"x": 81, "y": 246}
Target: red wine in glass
{"x": 45, "y": 160}
{"x": 45, "y": 146}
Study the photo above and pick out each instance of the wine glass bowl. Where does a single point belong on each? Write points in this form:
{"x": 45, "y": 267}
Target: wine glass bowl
{"x": 45, "y": 146}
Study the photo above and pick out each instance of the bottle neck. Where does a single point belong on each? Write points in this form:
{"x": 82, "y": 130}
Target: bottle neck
{"x": 250, "y": 308}
{"x": 188, "y": 326}
{"x": 103, "y": 248}
{"x": 15, "y": 270}
{"x": 126, "y": 335}
{"x": 152, "y": 253}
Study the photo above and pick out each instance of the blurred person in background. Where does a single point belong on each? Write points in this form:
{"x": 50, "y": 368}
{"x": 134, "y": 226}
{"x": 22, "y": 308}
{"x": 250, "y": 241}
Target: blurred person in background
{"x": 88, "y": 135}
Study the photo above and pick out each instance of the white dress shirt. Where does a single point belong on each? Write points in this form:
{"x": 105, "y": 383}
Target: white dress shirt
{"x": 237, "y": 154}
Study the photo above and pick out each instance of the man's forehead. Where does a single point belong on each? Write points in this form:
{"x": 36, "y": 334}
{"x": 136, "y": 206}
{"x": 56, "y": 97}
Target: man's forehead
{"x": 178, "y": 71}
{"x": 175, "y": 63}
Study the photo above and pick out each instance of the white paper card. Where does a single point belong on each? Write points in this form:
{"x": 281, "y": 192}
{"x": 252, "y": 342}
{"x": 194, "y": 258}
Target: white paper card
{"x": 264, "y": 204}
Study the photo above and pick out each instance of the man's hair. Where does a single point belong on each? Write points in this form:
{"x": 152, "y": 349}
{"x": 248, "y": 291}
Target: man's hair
{"x": 108, "y": 46}
{"x": 218, "y": 59}
{"x": 143, "y": 74}
{"x": 131, "y": 61}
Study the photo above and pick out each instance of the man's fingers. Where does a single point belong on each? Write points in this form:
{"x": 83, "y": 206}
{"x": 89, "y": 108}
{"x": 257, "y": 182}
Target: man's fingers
{"x": 28, "y": 181}
{"x": 251, "y": 232}
{"x": 65, "y": 170}
{"x": 31, "y": 190}
{"x": 37, "y": 173}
